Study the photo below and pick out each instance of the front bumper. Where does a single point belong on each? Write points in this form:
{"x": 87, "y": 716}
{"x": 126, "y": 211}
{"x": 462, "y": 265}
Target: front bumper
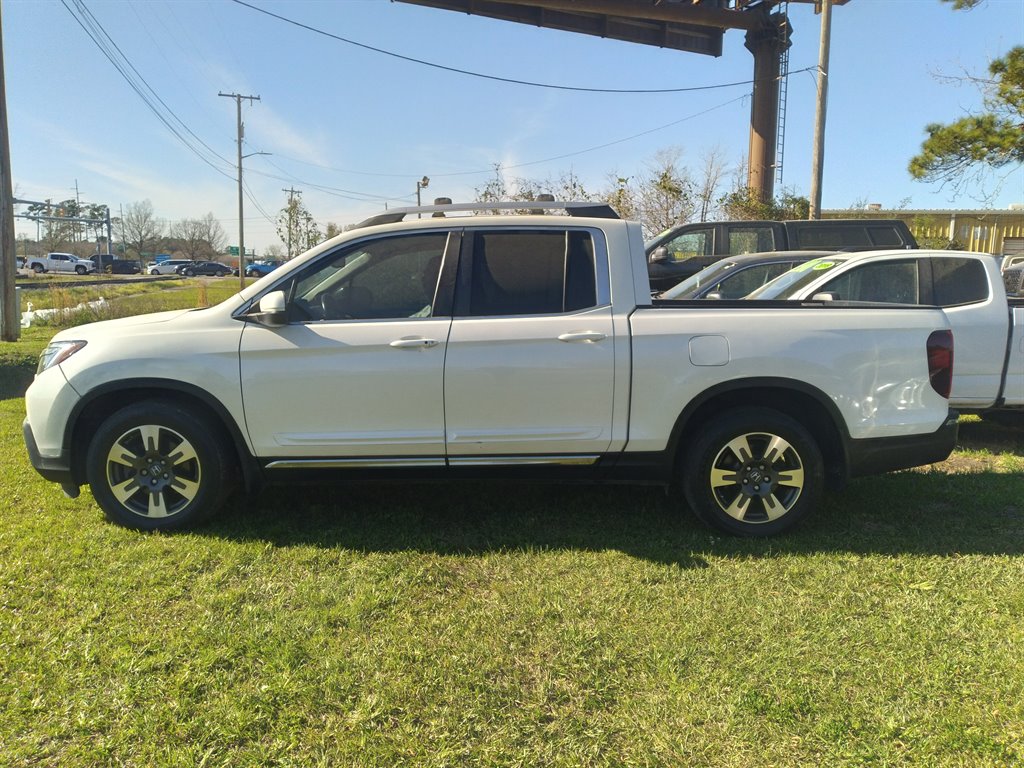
{"x": 54, "y": 468}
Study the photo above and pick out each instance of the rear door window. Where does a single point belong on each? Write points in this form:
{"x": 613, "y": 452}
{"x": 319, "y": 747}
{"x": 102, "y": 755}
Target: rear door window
{"x": 750, "y": 240}
{"x": 892, "y": 282}
{"x": 958, "y": 281}
{"x": 527, "y": 272}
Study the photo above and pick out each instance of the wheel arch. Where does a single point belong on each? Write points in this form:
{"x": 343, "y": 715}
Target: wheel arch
{"x": 103, "y": 401}
{"x": 806, "y": 404}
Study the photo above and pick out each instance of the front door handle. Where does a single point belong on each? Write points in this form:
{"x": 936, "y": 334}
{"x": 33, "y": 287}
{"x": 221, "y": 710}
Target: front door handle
{"x": 588, "y": 336}
{"x": 413, "y": 342}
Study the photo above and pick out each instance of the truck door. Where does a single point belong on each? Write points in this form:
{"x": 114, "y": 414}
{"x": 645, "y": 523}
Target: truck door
{"x": 358, "y": 370}
{"x": 530, "y": 360}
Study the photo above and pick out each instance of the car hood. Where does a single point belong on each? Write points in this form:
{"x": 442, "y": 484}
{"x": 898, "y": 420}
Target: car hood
{"x": 110, "y": 327}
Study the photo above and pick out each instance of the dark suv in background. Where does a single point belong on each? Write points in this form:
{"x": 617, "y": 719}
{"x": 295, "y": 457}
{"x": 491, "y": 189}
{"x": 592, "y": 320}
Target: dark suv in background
{"x": 682, "y": 251}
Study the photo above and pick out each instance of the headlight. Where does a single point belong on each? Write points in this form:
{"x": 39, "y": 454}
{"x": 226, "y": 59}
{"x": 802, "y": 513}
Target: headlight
{"x": 56, "y": 353}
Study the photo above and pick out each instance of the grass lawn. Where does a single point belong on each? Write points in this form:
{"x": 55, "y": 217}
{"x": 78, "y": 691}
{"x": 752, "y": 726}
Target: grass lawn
{"x": 493, "y": 624}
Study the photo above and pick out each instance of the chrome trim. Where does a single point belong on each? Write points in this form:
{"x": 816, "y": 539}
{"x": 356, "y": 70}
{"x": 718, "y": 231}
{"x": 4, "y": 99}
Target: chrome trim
{"x": 491, "y": 461}
{"x": 413, "y": 462}
{"x": 354, "y": 463}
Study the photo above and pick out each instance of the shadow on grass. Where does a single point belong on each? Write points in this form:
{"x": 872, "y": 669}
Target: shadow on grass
{"x": 926, "y": 513}
{"x": 995, "y": 438}
{"x": 15, "y": 379}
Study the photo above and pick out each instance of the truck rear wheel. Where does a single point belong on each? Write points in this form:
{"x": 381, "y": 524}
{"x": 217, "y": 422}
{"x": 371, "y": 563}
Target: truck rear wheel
{"x": 156, "y": 466}
{"x": 753, "y": 472}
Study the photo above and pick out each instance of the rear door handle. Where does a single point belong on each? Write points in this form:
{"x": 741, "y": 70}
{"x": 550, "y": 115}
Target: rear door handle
{"x": 583, "y": 336}
{"x": 417, "y": 342}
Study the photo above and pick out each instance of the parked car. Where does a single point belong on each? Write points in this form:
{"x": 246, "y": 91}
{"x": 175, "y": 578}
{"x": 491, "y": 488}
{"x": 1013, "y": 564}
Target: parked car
{"x": 166, "y": 267}
{"x": 507, "y": 346}
{"x": 681, "y": 251}
{"x": 736, "y": 276}
{"x": 207, "y": 268}
{"x": 61, "y": 262}
{"x": 123, "y": 267}
{"x": 19, "y": 262}
{"x": 988, "y": 328}
{"x": 261, "y": 268}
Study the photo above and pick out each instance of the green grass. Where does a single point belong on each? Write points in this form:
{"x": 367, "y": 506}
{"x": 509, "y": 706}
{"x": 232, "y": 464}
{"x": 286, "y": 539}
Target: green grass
{"x": 492, "y": 624}
{"x": 124, "y": 299}
{"x": 529, "y": 625}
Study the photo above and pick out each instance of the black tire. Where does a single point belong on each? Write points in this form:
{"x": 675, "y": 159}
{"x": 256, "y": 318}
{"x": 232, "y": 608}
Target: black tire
{"x": 154, "y": 271}
{"x": 193, "y": 476}
{"x": 753, "y": 472}
{"x": 189, "y": 273}
{"x": 80, "y": 270}
{"x": 38, "y": 269}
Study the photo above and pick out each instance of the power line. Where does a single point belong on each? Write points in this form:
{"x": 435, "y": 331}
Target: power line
{"x": 99, "y": 36}
{"x": 456, "y": 70}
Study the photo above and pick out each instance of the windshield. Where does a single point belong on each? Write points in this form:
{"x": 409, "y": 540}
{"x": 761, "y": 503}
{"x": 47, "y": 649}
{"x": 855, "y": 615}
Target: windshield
{"x": 789, "y": 283}
{"x": 707, "y": 276}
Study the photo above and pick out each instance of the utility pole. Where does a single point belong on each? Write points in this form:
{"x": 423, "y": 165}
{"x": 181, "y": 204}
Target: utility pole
{"x": 818, "y": 156}
{"x": 291, "y": 195}
{"x": 10, "y": 325}
{"x": 241, "y": 221}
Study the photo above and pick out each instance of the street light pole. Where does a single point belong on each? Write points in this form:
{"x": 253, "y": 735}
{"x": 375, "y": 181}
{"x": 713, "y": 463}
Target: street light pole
{"x": 421, "y": 184}
{"x": 241, "y": 220}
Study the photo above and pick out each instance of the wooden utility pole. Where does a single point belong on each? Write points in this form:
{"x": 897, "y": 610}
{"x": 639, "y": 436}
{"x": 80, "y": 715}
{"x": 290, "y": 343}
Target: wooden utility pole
{"x": 241, "y": 221}
{"x": 10, "y": 323}
{"x": 818, "y": 150}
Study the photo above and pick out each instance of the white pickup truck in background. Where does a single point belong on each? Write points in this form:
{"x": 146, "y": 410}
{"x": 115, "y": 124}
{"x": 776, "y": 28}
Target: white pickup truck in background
{"x": 61, "y": 262}
{"x": 988, "y": 369}
{"x": 500, "y": 346}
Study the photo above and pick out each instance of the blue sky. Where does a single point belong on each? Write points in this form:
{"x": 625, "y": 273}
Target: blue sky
{"x": 354, "y": 129}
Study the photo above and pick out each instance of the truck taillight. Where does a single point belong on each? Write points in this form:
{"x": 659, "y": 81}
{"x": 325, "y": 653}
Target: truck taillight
{"x": 940, "y": 362}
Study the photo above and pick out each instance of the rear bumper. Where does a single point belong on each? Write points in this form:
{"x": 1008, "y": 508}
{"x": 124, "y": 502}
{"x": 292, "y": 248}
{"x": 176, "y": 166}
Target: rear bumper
{"x": 876, "y": 455}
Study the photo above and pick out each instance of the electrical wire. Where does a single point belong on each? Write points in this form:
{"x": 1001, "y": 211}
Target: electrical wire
{"x": 456, "y": 70}
{"x": 99, "y": 36}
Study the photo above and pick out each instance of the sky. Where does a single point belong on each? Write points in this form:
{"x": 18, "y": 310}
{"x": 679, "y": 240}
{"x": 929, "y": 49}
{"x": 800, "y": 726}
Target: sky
{"x": 353, "y": 129}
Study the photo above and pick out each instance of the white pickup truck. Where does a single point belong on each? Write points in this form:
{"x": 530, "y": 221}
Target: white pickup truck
{"x": 61, "y": 262}
{"x": 504, "y": 346}
{"x": 988, "y": 372}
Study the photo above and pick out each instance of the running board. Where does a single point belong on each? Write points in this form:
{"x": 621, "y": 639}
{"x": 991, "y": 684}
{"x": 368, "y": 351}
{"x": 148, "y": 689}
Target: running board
{"x": 413, "y": 462}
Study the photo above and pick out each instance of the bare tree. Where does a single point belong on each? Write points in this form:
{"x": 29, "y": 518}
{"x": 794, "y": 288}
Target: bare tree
{"x": 213, "y": 233}
{"x": 274, "y": 251}
{"x": 666, "y": 194}
{"x": 139, "y": 228}
{"x": 189, "y": 233}
{"x": 711, "y": 179}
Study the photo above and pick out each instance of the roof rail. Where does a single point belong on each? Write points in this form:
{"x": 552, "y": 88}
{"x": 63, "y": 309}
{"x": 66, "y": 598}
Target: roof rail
{"x": 573, "y": 208}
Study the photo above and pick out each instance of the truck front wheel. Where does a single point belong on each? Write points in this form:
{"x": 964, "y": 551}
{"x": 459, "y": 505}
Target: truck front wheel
{"x": 156, "y": 466}
{"x": 753, "y": 472}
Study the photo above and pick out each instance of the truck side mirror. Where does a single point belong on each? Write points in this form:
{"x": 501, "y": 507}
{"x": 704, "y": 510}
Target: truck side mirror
{"x": 825, "y": 296}
{"x": 714, "y": 295}
{"x": 659, "y": 254}
{"x": 273, "y": 310}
